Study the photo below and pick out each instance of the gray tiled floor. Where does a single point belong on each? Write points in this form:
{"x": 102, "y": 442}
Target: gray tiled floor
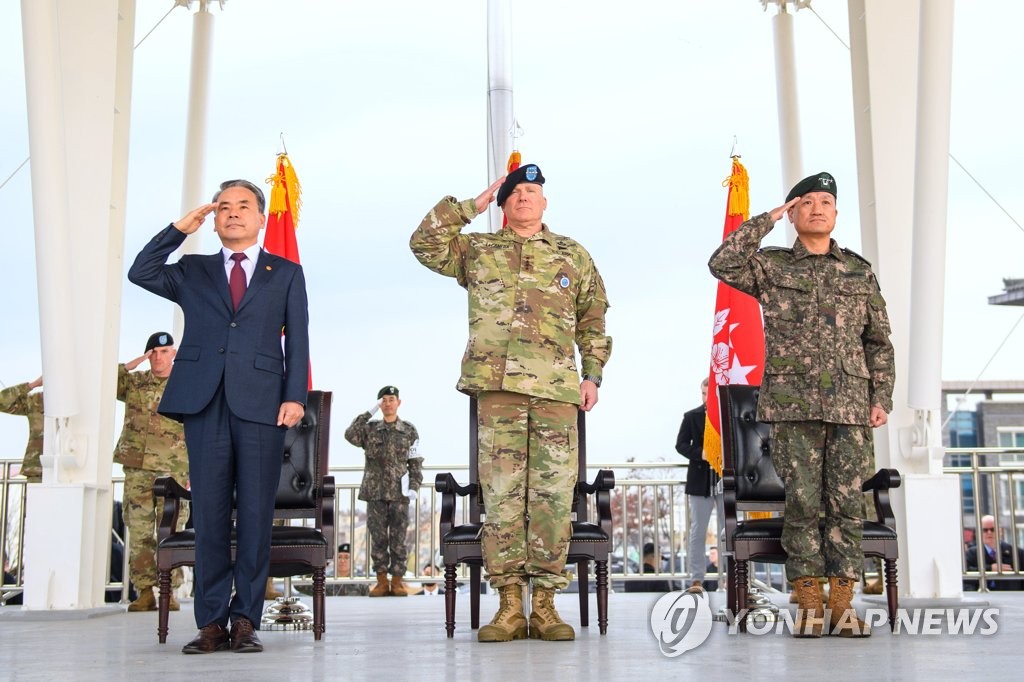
{"x": 404, "y": 639}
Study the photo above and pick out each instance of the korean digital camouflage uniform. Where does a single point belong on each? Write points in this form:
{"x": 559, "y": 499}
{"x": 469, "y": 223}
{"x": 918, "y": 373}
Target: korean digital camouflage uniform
{"x": 18, "y": 400}
{"x": 150, "y": 446}
{"x": 389, "y": 456}
{"x": 532, "y": 301}
{"x": 828, "y": 360}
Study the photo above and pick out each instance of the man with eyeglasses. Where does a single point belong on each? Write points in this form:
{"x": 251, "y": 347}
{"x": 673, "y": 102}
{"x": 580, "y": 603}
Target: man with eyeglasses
{"x": 999, "y": 556}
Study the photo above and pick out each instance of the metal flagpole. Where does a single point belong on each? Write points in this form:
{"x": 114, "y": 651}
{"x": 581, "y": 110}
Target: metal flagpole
{"x": 500, "y": 121}
{"x": 193, "y": 181}
{"x": 789, "y": 110}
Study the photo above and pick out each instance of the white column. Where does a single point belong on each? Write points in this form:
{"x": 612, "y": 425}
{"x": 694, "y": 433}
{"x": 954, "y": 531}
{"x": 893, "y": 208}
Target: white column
{"x": 788, "y": 105}
{"x": 499, "y": 95}
{"x": 193, "y": 183}
{"x": 885, "y": 56}
{"x": 78, "y": 93}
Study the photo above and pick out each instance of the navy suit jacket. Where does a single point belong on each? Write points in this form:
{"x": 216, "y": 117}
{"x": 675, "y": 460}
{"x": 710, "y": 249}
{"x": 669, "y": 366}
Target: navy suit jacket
{"x": 240, "y": 348}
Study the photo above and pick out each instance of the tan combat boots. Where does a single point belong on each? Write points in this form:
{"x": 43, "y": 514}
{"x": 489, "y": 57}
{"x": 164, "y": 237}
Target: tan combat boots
{"x": 810, "y": 614}
{"x": 381, "y": 589}
{"x": 842, "y": 618}
{"x": 545, "y": 623}
{"x": 398, "y": 589}
{"x": 509, "y": 622}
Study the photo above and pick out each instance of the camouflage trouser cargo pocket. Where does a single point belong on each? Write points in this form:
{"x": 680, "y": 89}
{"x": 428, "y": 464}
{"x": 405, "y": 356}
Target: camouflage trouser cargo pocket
{"x": 527, "y": 467}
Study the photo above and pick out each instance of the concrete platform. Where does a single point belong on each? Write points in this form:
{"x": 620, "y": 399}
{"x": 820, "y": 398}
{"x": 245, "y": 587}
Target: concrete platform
{"x": 404, "y": 639}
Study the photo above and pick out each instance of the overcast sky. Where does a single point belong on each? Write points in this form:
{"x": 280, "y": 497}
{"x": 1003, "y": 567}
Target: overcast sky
{"x": 629, "y": 108}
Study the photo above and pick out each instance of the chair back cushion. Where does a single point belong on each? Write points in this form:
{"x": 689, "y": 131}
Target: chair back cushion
{"x": 302, "y": 466}
{"x": 745, "y": 446}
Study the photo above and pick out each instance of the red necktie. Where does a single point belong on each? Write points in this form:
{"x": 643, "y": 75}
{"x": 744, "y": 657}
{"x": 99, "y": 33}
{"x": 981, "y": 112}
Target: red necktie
{"x": 236, "y": 280}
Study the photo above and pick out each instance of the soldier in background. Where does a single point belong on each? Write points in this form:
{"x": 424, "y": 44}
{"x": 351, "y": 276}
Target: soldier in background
{"x": 828, "y": 380}
{"x": 342, "y": 569}
{"x": 19, "y": 400}
{"x": 392, "y": 476}
{"x": 151, "y": 446}
{"x": 533, "y": 296}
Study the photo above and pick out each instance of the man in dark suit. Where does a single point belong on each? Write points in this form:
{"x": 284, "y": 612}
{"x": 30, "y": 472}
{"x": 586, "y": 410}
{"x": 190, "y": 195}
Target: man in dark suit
{"x": 700, "y": 488}
{"x": 237, "y": 392}
{"x": 999, "y": 557}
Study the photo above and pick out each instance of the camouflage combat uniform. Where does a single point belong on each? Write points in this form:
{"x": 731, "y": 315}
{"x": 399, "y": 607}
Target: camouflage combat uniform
{"x": 828, "y": 360}
{"x": 532, "y": 301}
{"x": 150, "y": 446}
{"x": 390, "y": 454}
{"x": 18, "y": 400}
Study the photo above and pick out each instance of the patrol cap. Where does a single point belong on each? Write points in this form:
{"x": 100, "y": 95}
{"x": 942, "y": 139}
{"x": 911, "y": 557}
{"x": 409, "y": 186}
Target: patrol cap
{"x": 819, "y": 182}
{"x": 159, "y": 340}
{"x": 344, "y": 547}
{"x": 528, "y": 173}
{"x": 387, "y": 390}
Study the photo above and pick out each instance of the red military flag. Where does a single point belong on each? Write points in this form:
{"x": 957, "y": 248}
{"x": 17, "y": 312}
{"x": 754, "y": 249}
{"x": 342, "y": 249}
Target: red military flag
{"x": 737, "y": 344}
{"x": 283, "y": 215}
{"x": 514, "y": 159}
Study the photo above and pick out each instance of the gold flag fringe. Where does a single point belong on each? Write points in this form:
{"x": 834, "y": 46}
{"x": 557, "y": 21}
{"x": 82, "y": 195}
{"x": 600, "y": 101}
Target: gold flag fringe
{"x": 285, "y": 190}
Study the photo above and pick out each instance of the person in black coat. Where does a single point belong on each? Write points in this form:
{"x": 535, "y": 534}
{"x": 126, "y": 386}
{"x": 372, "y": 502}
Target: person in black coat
{"x": 995, "y": 559}
{"x": 700, "y": 488}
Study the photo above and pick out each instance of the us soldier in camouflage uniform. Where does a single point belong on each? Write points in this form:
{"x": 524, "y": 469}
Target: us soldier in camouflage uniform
{"x": 151, "y": 446}
{"x": 828, "y": 381}
{"x": 342, "y": 569}
{"x": 533, "y": 295}
{"x": 19, "y": 400}
{"x": 391, "y": 460}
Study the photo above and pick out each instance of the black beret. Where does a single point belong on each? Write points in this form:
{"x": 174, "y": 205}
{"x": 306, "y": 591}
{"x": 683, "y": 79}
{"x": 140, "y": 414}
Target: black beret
{"x": 344, "y": 547}
{"x": 819, "y": 182}
{"x": 528, "y": 173}
{"x": 387, "y": 390}
{"x": 159, "y": 340}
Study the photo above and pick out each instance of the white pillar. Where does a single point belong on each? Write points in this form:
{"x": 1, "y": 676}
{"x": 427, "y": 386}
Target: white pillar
{"x": 788, "y": 105}
{"x": 931, "y": 186}
{"x": 885, "y": 56}
{"x": 78, "y": 76}
{"x": 499, "y": 95}
{"x": 193, "y": 183}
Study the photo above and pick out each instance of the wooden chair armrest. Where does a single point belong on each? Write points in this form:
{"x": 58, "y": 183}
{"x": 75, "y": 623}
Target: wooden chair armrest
{"x": 174, "y": 494}
{"x": 884, "y": 479}
{"x": 879, "y": 485}
{"x": 327, "y": 512}
{"x": 728, "y": 483}
{"x": 446, "y": 485}
{"x": 605, "y": 480}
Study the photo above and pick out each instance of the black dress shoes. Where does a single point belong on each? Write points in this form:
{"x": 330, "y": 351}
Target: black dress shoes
{"x": 243, "y": 637}
{"x": 210, "y": 638}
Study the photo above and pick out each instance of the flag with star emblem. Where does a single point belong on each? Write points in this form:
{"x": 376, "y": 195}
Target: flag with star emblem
{"x": 283, "y": 216}
{"x": 737, "y": 343}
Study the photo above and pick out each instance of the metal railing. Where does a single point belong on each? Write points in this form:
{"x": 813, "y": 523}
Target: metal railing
{"x": 648, "y": 505}
{"x": 991, "y": 484}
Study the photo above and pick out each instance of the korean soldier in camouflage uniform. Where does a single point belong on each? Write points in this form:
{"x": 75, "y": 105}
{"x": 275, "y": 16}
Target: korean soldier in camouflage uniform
{"x": 342, "y": 569}
{"x": 391, "y": 460}
{"x": 19, "y": 400}
{"x": 534, "y": 297}
{"x": 151, "y": 446}
{"x": 828, "y": 381}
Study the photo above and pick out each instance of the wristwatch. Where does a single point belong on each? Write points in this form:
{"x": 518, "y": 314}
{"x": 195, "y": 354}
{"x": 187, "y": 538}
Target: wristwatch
{"x": 591, "y": 378}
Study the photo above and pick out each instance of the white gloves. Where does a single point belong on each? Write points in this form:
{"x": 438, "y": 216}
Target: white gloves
{"x": 375, "y": 409}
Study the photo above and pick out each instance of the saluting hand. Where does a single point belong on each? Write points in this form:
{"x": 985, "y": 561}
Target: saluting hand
{"x": 776, "y": 214}
{"x": 193, "y": 220}
{"x": 487, "y": 196}
{"x": 132, "y": 364}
